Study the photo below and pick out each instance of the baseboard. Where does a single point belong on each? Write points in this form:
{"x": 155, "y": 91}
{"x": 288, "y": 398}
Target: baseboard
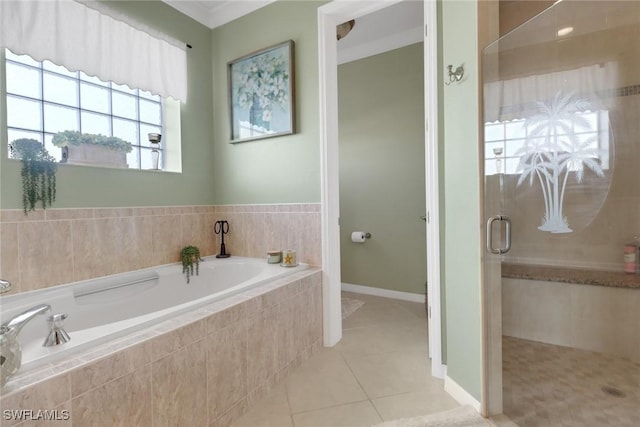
{"x": 379, "y": 292}
{"x": 461, "y": 395}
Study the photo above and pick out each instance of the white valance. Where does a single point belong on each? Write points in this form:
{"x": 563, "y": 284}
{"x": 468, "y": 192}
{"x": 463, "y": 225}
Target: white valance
{"x": 515, "y": 98}
{"x": 78, "y": 37}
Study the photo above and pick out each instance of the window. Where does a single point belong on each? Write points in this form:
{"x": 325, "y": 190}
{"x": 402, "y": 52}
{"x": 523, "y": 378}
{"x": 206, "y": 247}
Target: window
{"x": 44, "y": 98}
{"x": 507, "y": 142}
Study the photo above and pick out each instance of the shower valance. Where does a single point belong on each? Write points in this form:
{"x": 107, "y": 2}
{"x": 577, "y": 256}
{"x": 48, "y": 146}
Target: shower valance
{"x": 79, "y": 37}
{"x": 516, "y": 98}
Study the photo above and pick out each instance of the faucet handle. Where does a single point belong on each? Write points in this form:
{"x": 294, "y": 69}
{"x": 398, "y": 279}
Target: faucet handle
{"x": 57, "y": 334}
{"x": 56, "y": 320}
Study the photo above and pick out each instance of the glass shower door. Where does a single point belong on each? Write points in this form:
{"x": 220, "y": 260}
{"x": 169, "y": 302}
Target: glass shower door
{"x": 561, "y": 191}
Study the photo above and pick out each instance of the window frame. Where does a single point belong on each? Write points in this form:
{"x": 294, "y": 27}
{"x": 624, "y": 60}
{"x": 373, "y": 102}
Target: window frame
{"x": 80, "y": 80}
{"x": 601, "y": 130}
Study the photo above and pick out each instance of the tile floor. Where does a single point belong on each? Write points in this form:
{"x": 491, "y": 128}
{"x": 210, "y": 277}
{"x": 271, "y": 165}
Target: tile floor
{"x": 551, "y": 386}
{"x": 380, "y": 371}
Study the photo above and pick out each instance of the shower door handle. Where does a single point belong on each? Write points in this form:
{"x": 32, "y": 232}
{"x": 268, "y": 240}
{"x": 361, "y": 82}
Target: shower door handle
{"x": 507, "y": 232}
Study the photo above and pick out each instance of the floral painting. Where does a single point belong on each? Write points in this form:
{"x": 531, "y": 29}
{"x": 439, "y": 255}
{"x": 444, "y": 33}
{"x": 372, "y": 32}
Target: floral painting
{"x": 261, "y": 93}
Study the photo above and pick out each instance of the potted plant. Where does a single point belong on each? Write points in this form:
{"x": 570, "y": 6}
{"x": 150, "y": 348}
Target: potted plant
{"x": 38, "y": 173}
{"x": 92, "y": 149}
{"x": 190, "y": 256}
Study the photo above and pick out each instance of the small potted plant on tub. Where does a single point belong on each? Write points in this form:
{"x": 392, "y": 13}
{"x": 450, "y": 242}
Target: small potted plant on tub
{"x": 190, "y": 256}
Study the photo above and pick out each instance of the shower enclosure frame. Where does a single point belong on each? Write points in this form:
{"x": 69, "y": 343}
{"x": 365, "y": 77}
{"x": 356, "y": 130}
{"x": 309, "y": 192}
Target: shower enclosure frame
{"x": 492, "y": 388}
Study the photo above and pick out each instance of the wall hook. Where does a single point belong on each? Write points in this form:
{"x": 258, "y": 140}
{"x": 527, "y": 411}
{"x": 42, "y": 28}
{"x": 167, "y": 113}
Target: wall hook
{"x": 455, "y": 76}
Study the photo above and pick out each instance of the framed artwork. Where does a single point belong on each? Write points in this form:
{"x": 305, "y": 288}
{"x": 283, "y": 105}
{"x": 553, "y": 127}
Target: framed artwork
{"x": 261, "y": 93}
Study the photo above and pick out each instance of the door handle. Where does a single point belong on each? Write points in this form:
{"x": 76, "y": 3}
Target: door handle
{"x": 507, "y": 237}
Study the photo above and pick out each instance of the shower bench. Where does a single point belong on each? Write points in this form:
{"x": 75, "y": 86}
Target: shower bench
{"x": 577, "y": 276}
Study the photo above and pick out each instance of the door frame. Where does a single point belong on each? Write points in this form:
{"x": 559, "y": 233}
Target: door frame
{"x": 329, "y": 16}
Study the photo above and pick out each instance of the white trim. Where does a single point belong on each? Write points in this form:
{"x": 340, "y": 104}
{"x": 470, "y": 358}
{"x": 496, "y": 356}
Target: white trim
{"x": 329, "y": 177}
{"x": 459, "y": 394}
{"x": 379, "y": 292}
{"x": 330, "y": 15}
{"x": 395, "y": 41}
{"x": 432, "y": 186}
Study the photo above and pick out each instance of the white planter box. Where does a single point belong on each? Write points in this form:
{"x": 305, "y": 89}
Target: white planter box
{"x": 94, "y": 155}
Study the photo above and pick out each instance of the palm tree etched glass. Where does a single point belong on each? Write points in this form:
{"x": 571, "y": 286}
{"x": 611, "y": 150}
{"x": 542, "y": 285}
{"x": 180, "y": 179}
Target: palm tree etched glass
{"x": 553, "y": 150}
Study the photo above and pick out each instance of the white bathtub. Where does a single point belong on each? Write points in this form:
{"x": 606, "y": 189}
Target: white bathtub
{"x": 105, "y": 308}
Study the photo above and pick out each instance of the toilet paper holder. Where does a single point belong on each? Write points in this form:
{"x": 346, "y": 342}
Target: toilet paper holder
{"x": 360, "y": 236}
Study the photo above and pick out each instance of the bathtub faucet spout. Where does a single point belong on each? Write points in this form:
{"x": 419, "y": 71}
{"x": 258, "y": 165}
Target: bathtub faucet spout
{"x": 10, "y": 351}
{"x": 18, "y": 322}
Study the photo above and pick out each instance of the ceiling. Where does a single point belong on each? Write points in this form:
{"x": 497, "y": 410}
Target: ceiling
{"x": 214, "y": 13}
{"x": 390, "y": 28}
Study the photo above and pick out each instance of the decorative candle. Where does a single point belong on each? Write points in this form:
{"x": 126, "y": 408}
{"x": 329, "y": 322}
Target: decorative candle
{"x": 289, "y": 258}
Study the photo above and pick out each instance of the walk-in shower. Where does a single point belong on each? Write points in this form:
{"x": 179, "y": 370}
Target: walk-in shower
{"x": 561, "y": 201}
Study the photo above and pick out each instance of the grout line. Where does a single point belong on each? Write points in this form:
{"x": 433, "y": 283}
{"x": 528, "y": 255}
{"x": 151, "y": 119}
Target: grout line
{"x": 330, "y": 407}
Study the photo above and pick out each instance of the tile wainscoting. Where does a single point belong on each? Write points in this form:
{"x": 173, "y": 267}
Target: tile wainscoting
{"x": 57, "y": 246}
{"x": 203, "y": 368}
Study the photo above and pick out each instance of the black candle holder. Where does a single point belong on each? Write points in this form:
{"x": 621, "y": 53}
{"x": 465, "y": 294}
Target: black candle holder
{"x": 222, "y": 227}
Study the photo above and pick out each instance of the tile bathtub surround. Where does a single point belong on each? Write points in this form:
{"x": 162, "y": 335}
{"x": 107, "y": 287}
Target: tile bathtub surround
{"x": 58, "y": 246}
{"x": 256, "y": 229}
{"x": 198, "y": 369}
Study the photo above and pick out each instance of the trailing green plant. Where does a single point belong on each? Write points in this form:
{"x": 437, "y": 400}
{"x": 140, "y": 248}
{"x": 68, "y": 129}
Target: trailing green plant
{"x": 73, "y": 137}
{"x": 38, "y": 173}
{"x": 190, "y": 256}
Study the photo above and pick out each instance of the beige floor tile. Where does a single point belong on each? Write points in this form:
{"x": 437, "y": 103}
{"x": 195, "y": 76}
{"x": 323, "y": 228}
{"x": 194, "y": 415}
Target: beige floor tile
{"x": 391, "y": 373}
{"x": 385, "y": 351}
{"x": 324, "y": 380}
{"x": 416, "y": 308}
{"x": 385, "y": 338}
{"x": 359, "y": 414}
{"x": 413, "y": 404}
{"x": 272, "y": 411}
{"x": 376, "y": 313}
{"x": 369, "y": 299}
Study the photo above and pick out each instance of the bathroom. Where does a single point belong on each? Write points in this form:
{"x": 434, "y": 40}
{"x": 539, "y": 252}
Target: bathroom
{"x": 255, "y": 186}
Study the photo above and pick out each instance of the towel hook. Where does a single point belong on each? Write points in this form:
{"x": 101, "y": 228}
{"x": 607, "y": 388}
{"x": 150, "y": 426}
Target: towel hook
{"x": 455, "y": 76}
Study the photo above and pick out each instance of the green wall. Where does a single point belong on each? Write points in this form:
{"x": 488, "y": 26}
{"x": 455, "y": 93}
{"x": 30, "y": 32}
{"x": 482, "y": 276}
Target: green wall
{"x": 80, "y": 186}
{"x": 461, "y": 198}
{"x": 279, "y": 169}
{"x": 382, "y": 186}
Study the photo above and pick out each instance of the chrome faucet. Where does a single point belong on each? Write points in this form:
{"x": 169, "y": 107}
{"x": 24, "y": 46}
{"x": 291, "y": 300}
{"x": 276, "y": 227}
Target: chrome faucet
{"x": 10, "y": 351}
{"x": 18, "y": 322}
{"x": 5, "y": 286}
